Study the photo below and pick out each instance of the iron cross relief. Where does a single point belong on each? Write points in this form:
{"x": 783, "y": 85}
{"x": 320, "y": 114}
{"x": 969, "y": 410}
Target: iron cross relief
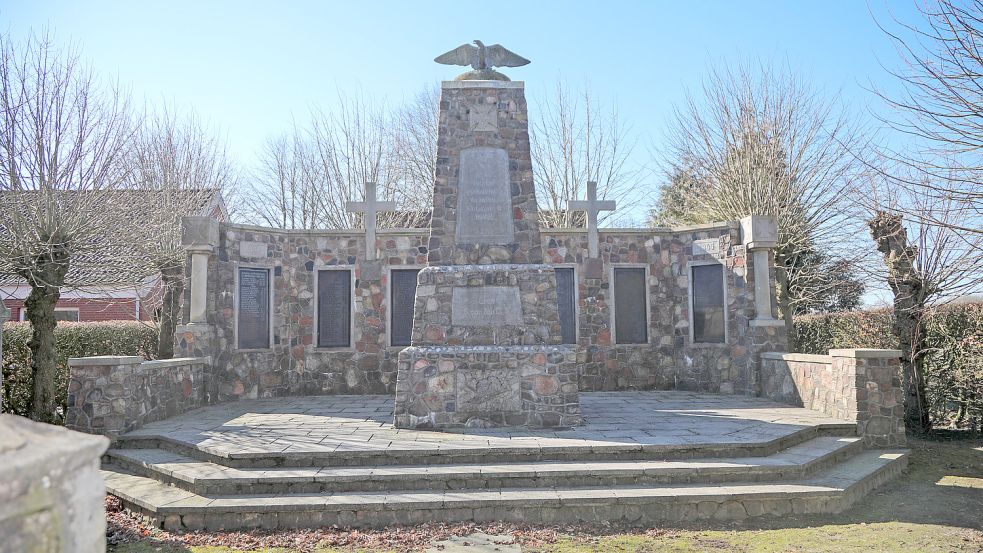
{"x": 371, "y": 208}
{"x": 592, "y": 206}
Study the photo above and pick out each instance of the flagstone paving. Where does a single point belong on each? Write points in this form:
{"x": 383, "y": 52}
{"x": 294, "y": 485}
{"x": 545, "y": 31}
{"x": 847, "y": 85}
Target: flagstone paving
{"x": 353, "y": 424}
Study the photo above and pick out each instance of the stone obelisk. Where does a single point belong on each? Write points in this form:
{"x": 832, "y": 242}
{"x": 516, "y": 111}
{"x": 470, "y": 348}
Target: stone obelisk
{"x": 486, "y": 347}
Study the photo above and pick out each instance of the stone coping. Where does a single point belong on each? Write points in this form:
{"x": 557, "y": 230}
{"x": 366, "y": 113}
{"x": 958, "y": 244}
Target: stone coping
{"x": 30, "y": 448}
{"x": 642, "y": 230}
{"x": 482, "y": 84}
{"x": 867, "y": 353}
{"x": 176, "y": 362}
{"x": 327, "y": 232}
{"x": 105, "y": 360}
{"x": 465, "y": 350}
{"x": 426, "y": 231}
{"x": 802, "y": 357}
{"x": 488, "y": 268}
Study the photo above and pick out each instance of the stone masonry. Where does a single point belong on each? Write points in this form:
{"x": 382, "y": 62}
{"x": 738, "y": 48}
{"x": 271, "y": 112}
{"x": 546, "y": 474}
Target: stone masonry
{"x": 51, "y": 493}
{"x": 111, "y": 395}
{"x": 857, "y": 385}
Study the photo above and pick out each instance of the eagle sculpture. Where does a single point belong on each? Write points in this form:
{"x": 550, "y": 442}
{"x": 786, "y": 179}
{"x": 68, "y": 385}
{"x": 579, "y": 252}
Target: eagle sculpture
{"x": 482, "y": 59}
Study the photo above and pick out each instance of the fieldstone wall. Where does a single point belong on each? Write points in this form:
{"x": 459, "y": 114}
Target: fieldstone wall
{"x": 111, "y": 395}
{"x": 861, "y": 385}
{"x": 483, "y": 386}
{"x": 51, "y": 492}
{"x": 295, "y": 366}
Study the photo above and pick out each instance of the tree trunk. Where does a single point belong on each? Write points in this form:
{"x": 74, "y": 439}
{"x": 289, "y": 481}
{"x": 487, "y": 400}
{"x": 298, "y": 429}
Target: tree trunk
{"x": 784, "y": 294}
{"x": 910, "y": 294}
{"x": 173, "y": 282}
{"x": 46, "y": 281}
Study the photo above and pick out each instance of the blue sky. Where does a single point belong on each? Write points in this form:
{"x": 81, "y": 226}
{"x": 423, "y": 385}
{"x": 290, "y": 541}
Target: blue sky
{"x": 247, "y": 67}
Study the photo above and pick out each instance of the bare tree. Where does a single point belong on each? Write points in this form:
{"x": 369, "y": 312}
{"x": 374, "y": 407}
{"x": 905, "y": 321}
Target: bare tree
{"x": 928, "y": 261}
{"x": 176, "y": 167}
{"x": 307, "y": 176}
{"x": 62, "y": 135}
{"x": 574, "y": 141}
{"x": 763, "y": 142}
{"x": 941, "y": 109}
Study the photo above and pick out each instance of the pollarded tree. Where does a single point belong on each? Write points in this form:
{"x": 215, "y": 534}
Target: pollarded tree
{"x": 763, "y": 142}
{"x": 176, "y": 167}
{"x": 62, "y": 138}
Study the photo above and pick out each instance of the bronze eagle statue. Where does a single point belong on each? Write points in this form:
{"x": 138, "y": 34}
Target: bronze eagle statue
{"x": 482, "y": 59}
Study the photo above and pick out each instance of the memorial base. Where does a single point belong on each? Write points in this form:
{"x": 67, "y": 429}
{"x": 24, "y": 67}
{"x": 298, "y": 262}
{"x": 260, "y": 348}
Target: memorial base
{"x": 441, "y": 387}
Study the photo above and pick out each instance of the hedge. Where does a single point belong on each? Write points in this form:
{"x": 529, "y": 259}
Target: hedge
{"x": 73, "y": 340}
{"x": 953, "y": 362}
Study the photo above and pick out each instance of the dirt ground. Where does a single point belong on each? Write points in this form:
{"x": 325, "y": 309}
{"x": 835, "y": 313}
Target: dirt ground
{"x": 936, "y": 506}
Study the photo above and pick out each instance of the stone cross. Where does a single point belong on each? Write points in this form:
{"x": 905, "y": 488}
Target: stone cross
{"x": 371, "y": 207}
{"x": 592, "y": 206}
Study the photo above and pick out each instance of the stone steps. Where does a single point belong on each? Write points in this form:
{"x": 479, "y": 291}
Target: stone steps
{"x": 449, "y": 452}
{"x": 829, "y": 491}
{"x": 209, "y": 478}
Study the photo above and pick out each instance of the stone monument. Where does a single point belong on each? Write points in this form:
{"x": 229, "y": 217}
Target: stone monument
{"x": 486, "y": 343}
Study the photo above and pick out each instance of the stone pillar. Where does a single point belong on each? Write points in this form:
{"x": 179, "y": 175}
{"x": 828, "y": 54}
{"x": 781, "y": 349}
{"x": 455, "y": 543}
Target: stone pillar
{"x": 760, "y": 236}
{"x": 52, "y": 495}
{"x": 873, "y": 382}
{"x": 199, "y": 283}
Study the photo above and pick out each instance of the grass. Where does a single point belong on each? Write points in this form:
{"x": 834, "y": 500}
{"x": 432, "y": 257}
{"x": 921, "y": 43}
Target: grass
{"x": 936, "y": 506}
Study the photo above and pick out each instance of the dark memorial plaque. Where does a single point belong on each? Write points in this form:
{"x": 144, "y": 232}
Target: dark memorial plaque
{"x": 253, "y": 330}
{"x": 708, "y": 303}
{"x": 484, "y": 197}
{"x": 630, "y": 299}
{"x": 566, "y": 303}
{"x": 402, "y": 296}
{"x": 334, "y": 309}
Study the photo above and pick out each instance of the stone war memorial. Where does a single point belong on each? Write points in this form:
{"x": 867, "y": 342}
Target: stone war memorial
{"x": 486, "y": 368}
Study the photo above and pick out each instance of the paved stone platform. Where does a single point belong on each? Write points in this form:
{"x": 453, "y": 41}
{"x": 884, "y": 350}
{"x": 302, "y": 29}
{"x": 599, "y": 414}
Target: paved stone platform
{"x": 641, "y": 458}
{"x": 615, "y": 422}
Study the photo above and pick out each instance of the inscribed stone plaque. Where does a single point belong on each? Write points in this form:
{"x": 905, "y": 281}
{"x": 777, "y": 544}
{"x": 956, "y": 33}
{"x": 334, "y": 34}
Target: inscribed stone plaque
{"x": 483, "y": 117}
{"x": 484, "y": 197}
{"x": 253, "y": 319}
{"x": 630, "y": 318}
{"x": 486, "y": 306}
{"x": 402, "y": 295}
{"x": 334, "y": 309}
{"x": 565, "y": 286}
{"x": 252, "y": 249}
{"x": 708, "y": 303}
{"x": 489, "y": 391}
{"x": 710, "y": 246}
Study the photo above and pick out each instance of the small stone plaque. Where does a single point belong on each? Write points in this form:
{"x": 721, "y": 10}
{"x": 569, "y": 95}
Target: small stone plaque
{"x": 253, "y": 319}
{"x": 252, "y": 249}
{"x": 486, "y": 306}
{"x": 483, "y": 117}
{"x": 484, "y": 197}
{"x": 710, "y": 246}
{"x": 489, "y": 391}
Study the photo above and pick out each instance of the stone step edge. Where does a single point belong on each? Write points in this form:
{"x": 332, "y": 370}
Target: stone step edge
{"x": 485, "y": 454}
{"x": 831, "y": 493}
{"x": 802, "y": 461}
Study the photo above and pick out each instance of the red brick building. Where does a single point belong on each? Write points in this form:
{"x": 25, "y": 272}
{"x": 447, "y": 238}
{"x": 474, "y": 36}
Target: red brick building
{"x": 138, "y": 299}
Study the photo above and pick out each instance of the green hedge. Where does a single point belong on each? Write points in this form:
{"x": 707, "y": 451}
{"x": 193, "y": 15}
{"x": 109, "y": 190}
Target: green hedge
{"x": 73, "y": 340}
{"x": 953, "y": 362}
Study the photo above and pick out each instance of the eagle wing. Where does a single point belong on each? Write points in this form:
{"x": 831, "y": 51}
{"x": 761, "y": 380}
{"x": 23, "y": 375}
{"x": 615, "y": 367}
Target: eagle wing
{"x": 462, "y": 55}
{"x": 499, "y": 56}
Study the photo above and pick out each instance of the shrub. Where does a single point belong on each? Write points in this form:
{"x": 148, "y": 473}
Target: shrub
{"x": 72, "y": 340}
{"x": 953, "y": 359}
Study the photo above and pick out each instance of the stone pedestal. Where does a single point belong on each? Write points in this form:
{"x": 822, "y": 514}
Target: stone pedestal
{"x": 51, "y": 493}
{"x": 486, "y": 326}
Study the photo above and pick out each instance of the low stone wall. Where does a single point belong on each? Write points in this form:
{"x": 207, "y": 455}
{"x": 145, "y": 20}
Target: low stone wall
{"x": 51, "y": 493}
{"x": 856, "y": 385}
{"x": 111, "y": 395}
{"x": 479, "y": 386}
